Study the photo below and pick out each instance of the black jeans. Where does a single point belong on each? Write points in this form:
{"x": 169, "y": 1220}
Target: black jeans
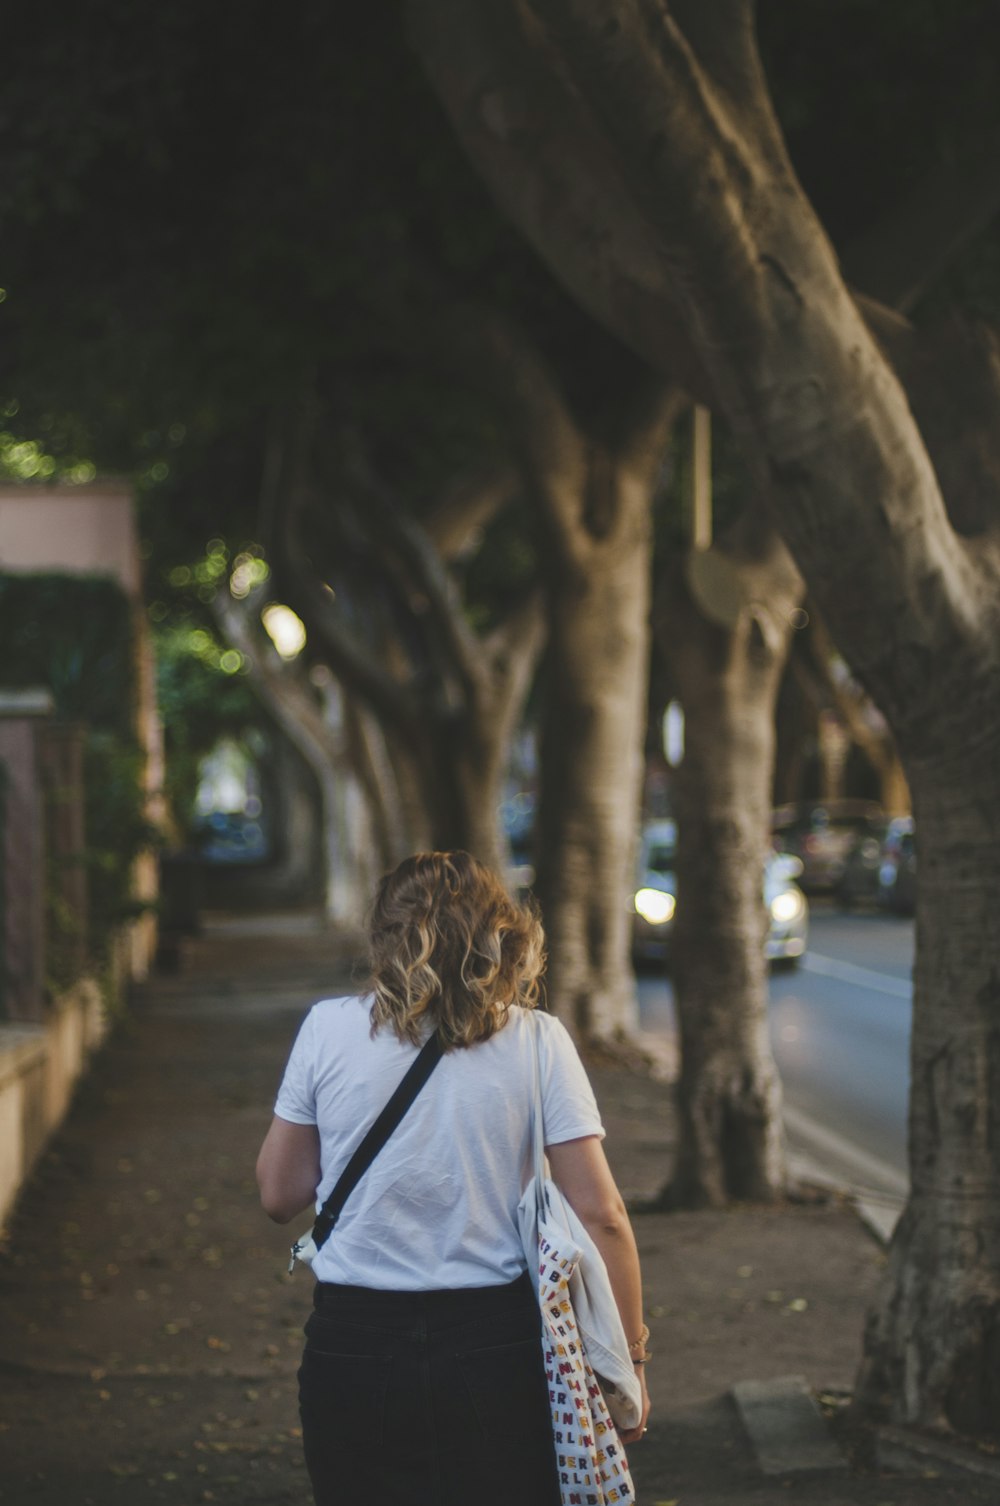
{"x": 432, "y": 1398}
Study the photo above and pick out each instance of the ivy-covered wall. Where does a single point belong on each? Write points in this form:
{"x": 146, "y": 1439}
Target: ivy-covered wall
{"x": 74, "y": 635}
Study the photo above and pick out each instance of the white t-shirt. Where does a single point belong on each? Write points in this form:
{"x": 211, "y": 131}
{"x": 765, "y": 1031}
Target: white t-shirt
{"x": 438, "y": 1205}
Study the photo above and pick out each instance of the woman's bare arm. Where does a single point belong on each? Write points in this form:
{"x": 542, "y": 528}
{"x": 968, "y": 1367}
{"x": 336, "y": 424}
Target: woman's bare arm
{"x": 581, "y": 1172}
{"x": 288, "y": 1169}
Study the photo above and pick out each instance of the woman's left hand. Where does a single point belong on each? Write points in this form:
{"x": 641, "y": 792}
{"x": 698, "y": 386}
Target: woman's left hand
{"x": 633, "y": 1435}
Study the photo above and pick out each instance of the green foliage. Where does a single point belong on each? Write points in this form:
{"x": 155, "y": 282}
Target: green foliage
{"x": 210, "y": 222}
{"x": 204, "y": 695}
{"x": 26, "y": 460}
{"x": 74, "y": 635}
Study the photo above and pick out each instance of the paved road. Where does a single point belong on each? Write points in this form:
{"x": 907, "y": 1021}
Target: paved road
{"x": 840, "y": 1028}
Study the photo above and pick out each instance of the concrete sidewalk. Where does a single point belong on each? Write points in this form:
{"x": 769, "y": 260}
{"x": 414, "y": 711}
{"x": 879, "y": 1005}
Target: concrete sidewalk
{"x": 149, "y": 1336}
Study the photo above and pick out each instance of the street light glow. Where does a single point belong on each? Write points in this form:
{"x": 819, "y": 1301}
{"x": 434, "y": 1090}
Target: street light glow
{"x": 285, "y": 629}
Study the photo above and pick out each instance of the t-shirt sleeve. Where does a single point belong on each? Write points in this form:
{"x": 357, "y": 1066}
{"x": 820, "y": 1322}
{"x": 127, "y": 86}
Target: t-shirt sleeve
{"x": 569, "y": 1108}
{"x": 296, "y": 1101}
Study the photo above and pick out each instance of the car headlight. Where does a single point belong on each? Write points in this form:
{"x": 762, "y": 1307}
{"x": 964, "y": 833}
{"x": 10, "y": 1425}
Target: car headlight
{"x": 655, "y": 906}
{"x": 787, "y": 906}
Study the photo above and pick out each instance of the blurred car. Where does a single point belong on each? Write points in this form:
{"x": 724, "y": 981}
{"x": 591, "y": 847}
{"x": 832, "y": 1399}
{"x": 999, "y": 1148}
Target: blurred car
{"x": 655, "y": 900}
{"x": 821, "y": 834}
{"x": 881, "y": 871}
{"x": 231, "y": 837}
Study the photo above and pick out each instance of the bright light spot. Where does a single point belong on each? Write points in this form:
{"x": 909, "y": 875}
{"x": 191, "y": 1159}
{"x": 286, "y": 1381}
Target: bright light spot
{"x": 787, "y": 906}
{"x": 655, "y": 906}
{"x": 180, "y": 575}
{"x": 249, "y": 570}
{"x": 231, "y": 662}
{"x": 225, "y": 775}
{"x": 673, "y": 733}
{"x": 286, "y": 630}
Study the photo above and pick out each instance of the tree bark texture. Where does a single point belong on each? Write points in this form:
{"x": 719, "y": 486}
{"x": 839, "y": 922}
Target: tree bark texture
{"x": 726, "y": 669}
{"x": 932, "y": 1344}
{"x": 592, "y": 726}
{"x": 680, "y": 128}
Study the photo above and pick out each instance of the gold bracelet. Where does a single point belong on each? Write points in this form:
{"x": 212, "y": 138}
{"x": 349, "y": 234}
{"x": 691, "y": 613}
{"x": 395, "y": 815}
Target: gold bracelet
{"x": 641, "y": 1341}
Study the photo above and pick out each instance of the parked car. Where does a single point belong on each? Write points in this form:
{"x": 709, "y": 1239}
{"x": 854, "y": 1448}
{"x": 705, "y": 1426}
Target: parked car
{"x": 821, "y": 834}
{"x": 231, "y": 837}
{"x": 881, "y": 871}
{"x": 655, "y": 900}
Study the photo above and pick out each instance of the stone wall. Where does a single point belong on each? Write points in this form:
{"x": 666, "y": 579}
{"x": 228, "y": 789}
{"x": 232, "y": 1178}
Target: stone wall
{"x": 40, "y": 1066}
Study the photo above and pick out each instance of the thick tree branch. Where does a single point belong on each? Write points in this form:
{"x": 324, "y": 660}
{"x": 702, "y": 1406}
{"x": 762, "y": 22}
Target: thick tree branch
{"x": 813, "y": 402}
{"x": 520, "y": 632}
{"x": 548, "y": 164}
{"x": 278, "y": 684}
{"x": 544, "y": 437}
{"x": 349, "y": 658}
{"x": 467, "y": 507}
{"x": 722, "y": 35}
{"x": 513, "y": 648}
{"x": 425, "y": 573}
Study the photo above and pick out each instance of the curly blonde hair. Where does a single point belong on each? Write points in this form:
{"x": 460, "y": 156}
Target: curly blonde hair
{"x": 448, "y": 945}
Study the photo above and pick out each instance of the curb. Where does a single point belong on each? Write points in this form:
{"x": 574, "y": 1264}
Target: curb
{"x": 788, "y": 1432}
{"x": 907, "y": 1453}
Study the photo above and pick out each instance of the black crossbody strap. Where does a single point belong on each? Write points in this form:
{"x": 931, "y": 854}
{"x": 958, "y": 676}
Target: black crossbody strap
{"x": 390, "y": 1118}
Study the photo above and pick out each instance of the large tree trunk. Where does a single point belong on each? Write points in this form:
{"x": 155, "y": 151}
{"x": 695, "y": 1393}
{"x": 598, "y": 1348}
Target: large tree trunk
{"x": 662, "y": 113}
{"x": 932, "y": 1347}
{"x": 727, "y": 668}
{"x": 462, "y": 759}
{"x": 593, "y": 721}
{"x": 594, "y": 482}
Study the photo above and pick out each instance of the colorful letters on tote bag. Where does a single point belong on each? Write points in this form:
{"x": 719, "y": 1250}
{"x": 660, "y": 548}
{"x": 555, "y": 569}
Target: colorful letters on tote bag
{"x": 593, "y": 1469}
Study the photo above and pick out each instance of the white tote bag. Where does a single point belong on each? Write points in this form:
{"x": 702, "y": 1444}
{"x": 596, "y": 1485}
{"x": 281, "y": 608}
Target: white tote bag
{"x": 593, "y": 1387}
